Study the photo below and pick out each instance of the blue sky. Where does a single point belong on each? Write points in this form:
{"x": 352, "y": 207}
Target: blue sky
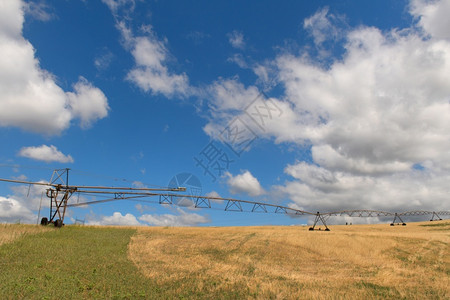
{"x": 132, "y": 93}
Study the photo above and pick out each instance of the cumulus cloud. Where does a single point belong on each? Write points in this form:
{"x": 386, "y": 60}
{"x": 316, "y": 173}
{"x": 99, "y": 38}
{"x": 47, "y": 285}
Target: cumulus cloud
{"x": 213, "y": 194}
{"x": 316, "y": 188}
{"x": 24, "y": 203}
{"x": 87, "y": 103}
{"x": 244, "y": 183}
{"x": 30, "y": 98}
{"x": 386, "y": 103}
{"x": 12, "y": 211}
{"x": 181, "y": 219}
{"x": 241, "y": 114}
{"x": 376, "y": 118}
{"x": 45, "y": 153}
{"x": 31, "y": 196}
{"x": 116, "y": 219}
{"x": 228, "y": 98}
{"x": 151, "y": 72}
{"x": 371, "y": 118}
{"x": 231, "y": 95}
{"x": 236, "y": 39}
{"x": 433, "y": 17}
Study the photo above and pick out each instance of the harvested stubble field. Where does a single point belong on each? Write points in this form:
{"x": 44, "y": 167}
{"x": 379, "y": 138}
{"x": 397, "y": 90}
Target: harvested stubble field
{"x": 358, "y": 261}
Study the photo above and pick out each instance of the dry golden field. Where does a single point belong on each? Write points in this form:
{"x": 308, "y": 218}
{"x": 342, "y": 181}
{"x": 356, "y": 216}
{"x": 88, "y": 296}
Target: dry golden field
{"x": 11, "y": 232}
{"x": 357, "y": 261}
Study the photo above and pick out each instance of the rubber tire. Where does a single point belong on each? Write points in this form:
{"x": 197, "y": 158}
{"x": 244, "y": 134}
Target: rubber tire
{"x": 58, "y": 223}
{"x": 44, "y": 221}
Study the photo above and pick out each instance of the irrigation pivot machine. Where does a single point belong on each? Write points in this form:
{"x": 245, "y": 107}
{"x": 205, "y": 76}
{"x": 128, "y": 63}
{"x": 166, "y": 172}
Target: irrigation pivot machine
{"x": 59, "y": 192}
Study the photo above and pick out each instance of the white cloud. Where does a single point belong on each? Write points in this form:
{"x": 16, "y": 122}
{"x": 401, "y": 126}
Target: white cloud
{"x": 38, "y": 10}
{"x": 21, "y": 177}
{"x": 320, "y": 26}
{"x": 24, "y": 204}
{"x": 326, "y": 29}
{"x": 12, "y": 211}
{"x": 227, "y": 98}
{"x": 316, "y": 188}
{"x": 369, "y": 116}
{"x": 433, "y": 17}
{"x": 88, "y": 103}
{"x": 244, "y": 183}
{"x": 328, "y": 157}
{"x": 231, "y": 95}
{"x": 116, "y": 219}
{"x": 30, "y": 98}
{"x": 386, "y": 103}
{"x": 236, "y": 39}
{"x": 230, "y": 99}
{"x": 31, "y": 196}
{"x": 11, "y": 18}
{"x": 127, "y": 6}
{"x": 151, "y": 56}
{"x": 238, "y": 59}
{"x": 45, "y": 153}
{"x": 182, "y": 219}
{"x": 138, "y": 184}
{"x": 104, "y": 60}
{"x": 213, "y": 194}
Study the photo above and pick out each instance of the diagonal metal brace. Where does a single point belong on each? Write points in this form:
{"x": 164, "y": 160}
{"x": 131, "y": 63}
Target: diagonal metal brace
{"x": 201, "y": 202}
{"x": 233, "y": 205}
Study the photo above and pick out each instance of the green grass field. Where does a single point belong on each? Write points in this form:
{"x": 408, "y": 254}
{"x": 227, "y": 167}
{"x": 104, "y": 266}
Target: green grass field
{"x": 71, "y": 263}
{"x": 360, "y": 262}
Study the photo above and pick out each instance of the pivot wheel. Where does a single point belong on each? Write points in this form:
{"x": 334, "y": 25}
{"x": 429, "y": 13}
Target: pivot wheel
{"x": 58, "y": 223}
{"x": 44, "y": 221}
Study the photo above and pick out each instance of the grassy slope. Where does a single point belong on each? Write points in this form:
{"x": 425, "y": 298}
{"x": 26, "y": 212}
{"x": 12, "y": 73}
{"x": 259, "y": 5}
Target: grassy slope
{"x": 73, "y": 262}
{"x": 11, "y": 232}
{"x": 379, "y": 261}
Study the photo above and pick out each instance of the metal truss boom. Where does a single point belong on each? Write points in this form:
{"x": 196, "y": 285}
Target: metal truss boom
{"x": 203, "y": 202}
{"x": 59, "y": 191}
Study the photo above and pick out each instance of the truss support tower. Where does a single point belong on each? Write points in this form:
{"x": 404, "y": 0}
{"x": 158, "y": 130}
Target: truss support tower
{"x": 58, "y": 206}
{"x": 435, "y": 215}
{"x": 320, "y": 218}
{"x": 397, "y": 216}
